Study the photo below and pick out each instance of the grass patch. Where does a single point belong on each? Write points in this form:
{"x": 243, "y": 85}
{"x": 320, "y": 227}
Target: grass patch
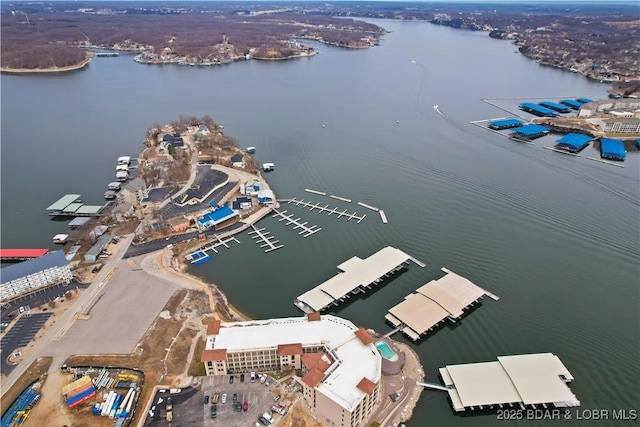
{"x": 196, "y": 367}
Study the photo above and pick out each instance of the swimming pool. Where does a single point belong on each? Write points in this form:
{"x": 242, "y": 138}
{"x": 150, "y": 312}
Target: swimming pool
{"x": 386, "y": 351}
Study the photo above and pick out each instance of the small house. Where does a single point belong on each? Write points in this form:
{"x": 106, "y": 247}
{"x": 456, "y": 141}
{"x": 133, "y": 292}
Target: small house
{"x": 178, "y": 224}
{"x": 237, "y": 161}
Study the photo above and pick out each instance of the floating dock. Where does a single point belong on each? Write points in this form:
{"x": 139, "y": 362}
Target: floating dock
{"x": 326, "y": 208}
{"x": 518, "y": 381}
{"x": 354, "y": 276}
{"x": 364, "y": 205}
{"x": 434, "y": 302}
{"x": 264, "y": 239}
{"x": 211, "y": 247}
{"x": 305, "y": 232}
{"x": 315, "y": 192}
{"x": 199, "y": 257}
{"x": 343, "y": 199}
{"x": 383, "y": 216}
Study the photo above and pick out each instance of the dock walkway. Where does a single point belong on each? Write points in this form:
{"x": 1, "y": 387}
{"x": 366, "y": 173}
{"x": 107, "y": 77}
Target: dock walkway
{"x": 326, "y": 208}
{"x": 265, "y": 238}
{"x": 306, "y": 231}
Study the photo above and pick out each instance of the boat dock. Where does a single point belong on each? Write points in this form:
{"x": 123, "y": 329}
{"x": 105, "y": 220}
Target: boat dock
{"x": 306, "y": 231}
{"x": 327, "y": 209}
{"x": 519, "y": 381}
{"x": 264, "y": 238}
{"x": 70, "y": 205}
{"x": 201, "y": 255}
{"x": 355, "y": 276}
{"x": 383, "y": 216}
{"x": 340, "y": 198}
{"x": 315, "y": 192}
{"x": 364, "y": 205}
{"x": 433, "y": 303}
{"x": 14, "y": 255}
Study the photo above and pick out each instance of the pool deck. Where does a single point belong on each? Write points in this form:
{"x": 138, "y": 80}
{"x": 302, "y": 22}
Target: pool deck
{"x": 392, "y": 367}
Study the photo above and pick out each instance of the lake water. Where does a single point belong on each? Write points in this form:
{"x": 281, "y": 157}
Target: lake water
{"x": 555, "y": 236}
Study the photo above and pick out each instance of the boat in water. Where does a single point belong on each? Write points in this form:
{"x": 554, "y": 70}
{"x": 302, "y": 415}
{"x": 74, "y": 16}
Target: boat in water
{"x": 114, "y": 186}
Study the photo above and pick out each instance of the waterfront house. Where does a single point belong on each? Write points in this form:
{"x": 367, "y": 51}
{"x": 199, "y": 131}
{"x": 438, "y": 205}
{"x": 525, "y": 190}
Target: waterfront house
{"x": 134, "y": 192}
{"x": 237, "y": 161}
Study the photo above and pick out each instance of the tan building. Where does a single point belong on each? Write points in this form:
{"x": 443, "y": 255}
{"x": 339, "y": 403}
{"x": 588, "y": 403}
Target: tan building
{"x": 179, "y": 224}
{"x": 339, "y": 363}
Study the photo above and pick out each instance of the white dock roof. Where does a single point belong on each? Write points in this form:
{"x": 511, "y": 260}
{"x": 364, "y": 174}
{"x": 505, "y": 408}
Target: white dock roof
{"x": 356, "y": 272}
{"x": 529, "y": 379}
{"x": 63, "y": 202}
{"x": 437, "y": 300}
{"x": 356, "y": 360}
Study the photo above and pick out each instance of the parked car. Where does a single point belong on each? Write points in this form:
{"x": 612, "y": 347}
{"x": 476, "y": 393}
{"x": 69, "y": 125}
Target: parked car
{"x": 231, "y": 379}
{"x": 253, "y": 377}
{"x": 213, "y": 411}
{"x": 206, "y": 399}
{"x": 241, "y": 378}
{"x": 223, "y": 398}
{"x": 245, "y": 406}
{"x": 263, "y": 420}
{"x": 215, "y": 398}
{"x": 263, "y": 378}
{"x": 235, "y": 397}
{"x": 238, "y": 407}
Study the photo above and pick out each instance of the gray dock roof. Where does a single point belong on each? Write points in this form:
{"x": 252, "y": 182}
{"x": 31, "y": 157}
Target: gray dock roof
{"x": 89, "y": 209}
{"x": 63, "y": 202}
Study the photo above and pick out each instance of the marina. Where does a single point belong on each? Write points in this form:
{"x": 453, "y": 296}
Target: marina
{"x": 431, "y": 304}
{"x": 199, "y": 254}
{"x": 518, "y": 381}
{"x": 71, "y": 205}
{"x": 306, "y": 231}
{"x": 264, "y": 239}
{"x": 356, "y": 275}
{"x": 326, "y": 208}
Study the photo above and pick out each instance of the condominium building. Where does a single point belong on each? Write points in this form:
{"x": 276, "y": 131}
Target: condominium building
{"x": 339, "y": 365}
{"x": 27, "y": 276}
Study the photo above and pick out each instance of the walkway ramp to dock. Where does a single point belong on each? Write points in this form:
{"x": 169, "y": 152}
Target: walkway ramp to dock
{"x": 433, "y": 386}
{"x": 306, "y": 230}
{"x": 264, "y": 239}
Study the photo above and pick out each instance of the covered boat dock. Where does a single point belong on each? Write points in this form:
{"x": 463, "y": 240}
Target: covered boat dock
{"x": 571, "y": 103}
{"x": 560, "y": 108}
{"x": 12, "y": 255}
{"x": 573, "y": 142}
{"x": 434, "y": 302}
{"x": 355, "y": 275}
{"x": 529, "y": 132}
{"x": 537, "y": 110}
{"x": 524, "y": 380}
{"x": 612, "y": 149}
{"x": 505, "y": 124}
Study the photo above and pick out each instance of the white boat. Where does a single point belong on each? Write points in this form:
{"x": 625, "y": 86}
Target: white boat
{"x": 114, "y": 186}
{"x": 110, "y": 195}
{"x": 122, "y": 175}
{"x": 124, "y": 160}
{"x": 268, "y": 167}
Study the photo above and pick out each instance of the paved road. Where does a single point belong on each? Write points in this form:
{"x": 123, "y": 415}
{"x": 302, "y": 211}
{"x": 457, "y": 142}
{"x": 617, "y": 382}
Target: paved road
{"x": 65, "y": 320}
{"x": 19, "y": 336}
{"x": 155, "y": 245}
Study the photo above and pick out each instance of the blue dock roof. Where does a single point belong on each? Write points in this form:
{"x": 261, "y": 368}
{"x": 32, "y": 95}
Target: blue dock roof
{"x": 574, "y": 141}
{"x": 571, "y": 103}
{"x": 505, "y": 123}
{"x": 612, "y": 149}
{"x": 537, "y": 109}
{"x": 555, "y": 106}
{"x": 217, "y": 216}
{"x": 530, "y": 130}
{"x": 584, "y": 100}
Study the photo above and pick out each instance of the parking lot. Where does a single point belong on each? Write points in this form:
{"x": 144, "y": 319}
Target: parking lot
{"x": 19, "y": 336}
{"x": 259, "y": 398}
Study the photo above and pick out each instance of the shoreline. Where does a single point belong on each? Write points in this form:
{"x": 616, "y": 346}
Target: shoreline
{"x": 66, "y": 69}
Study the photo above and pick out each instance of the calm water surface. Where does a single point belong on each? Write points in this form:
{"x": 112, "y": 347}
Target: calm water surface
{"x": 556, "y": 237}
